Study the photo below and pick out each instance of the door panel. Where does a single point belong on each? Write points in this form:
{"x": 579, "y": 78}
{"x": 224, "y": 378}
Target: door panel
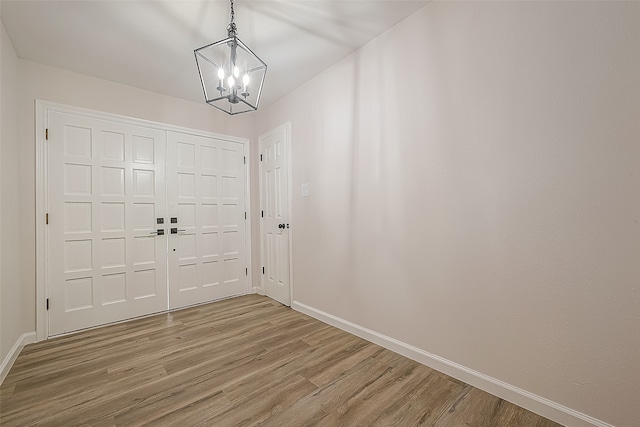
{"x": 274, "y": 195}
{"x": 206, "y": 191}
{"x": 106, "y": 187}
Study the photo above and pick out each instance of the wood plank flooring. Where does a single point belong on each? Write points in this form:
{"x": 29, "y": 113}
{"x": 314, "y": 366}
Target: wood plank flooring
{"x": 239, "y": 362}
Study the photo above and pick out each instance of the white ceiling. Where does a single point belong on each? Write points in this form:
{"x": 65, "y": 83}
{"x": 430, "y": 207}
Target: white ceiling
{"x": 149, "y": 44}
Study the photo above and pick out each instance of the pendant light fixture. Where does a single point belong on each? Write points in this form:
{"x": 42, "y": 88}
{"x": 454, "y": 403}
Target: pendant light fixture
{"x": 231, "y": 74}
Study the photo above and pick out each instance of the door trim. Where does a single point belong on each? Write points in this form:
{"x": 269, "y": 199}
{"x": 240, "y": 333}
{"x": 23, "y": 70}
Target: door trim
{"x": 287, "y": 131}
{"x": 42, "y": 110}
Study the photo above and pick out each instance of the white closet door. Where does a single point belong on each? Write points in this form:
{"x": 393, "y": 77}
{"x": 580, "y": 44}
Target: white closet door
{"x": 106, "y": 188}
{"x": 274, "y": 232}
{"x": 207, "y": 241}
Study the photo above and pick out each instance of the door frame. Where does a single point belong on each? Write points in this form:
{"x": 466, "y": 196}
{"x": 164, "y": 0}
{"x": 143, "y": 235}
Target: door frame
{"x": 287, "y": 131}
{"x": 42, "y": 110}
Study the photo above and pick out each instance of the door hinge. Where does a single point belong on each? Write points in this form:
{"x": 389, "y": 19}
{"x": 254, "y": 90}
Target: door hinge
{"x": 246, "y": 271}
{"x": 245, "y": 215}
{"x": 262, "y": 270}
{"x": 245, "y": 160}
{"x": 262, "y": 214}
{"x": 46, "y": 134}
{"x": 46, "y": 218}
{"x": 260, "y": 157}
{"x": 47, "y": 303}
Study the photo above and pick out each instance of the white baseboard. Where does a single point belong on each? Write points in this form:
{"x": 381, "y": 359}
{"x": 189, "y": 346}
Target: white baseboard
{"x": 8, "y": 361}
{"x": 534, "y": 403}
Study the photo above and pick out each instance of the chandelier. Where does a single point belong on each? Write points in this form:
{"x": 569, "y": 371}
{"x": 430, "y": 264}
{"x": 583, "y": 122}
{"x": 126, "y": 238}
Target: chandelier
{"x": 231, "y": 74}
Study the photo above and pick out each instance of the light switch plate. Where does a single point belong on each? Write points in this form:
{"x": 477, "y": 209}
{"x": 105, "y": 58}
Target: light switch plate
{"x": 305, "y": 190}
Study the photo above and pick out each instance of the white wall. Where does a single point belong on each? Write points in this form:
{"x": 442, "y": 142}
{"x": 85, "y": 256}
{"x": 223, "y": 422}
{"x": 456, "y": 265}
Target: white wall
{"x": 13, "y": 322}
{"x": 55, "y": 85}
{"x": 2, "y": 37}
{"x": 475, "y": 193}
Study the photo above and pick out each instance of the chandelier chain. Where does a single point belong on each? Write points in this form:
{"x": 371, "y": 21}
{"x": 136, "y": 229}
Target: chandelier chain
{"x": 232, "y": 30}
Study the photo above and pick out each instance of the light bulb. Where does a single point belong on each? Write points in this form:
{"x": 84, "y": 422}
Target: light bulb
{"x": 232, "y": 81}
{"x": 220, "y": 73}
{"x": 236, "y": 71}
{"x": 245, "y": 80}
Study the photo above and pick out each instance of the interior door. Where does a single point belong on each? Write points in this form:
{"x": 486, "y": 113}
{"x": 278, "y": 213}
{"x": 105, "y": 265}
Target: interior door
{"x": 275, "y": 226}
{"x": 207, "y": 240}
{"x": 106, "y": 189}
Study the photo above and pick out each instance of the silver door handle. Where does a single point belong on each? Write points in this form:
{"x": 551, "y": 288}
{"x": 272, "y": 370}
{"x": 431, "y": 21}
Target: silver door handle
{"x": 176, "y": 231}
{"x": 158, "y": 232}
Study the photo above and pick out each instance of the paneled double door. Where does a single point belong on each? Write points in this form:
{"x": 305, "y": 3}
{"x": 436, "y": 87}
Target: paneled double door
{"x": 140, "y": 220}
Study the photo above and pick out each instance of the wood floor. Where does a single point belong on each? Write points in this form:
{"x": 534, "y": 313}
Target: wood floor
{"x": 240, "y": 362}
